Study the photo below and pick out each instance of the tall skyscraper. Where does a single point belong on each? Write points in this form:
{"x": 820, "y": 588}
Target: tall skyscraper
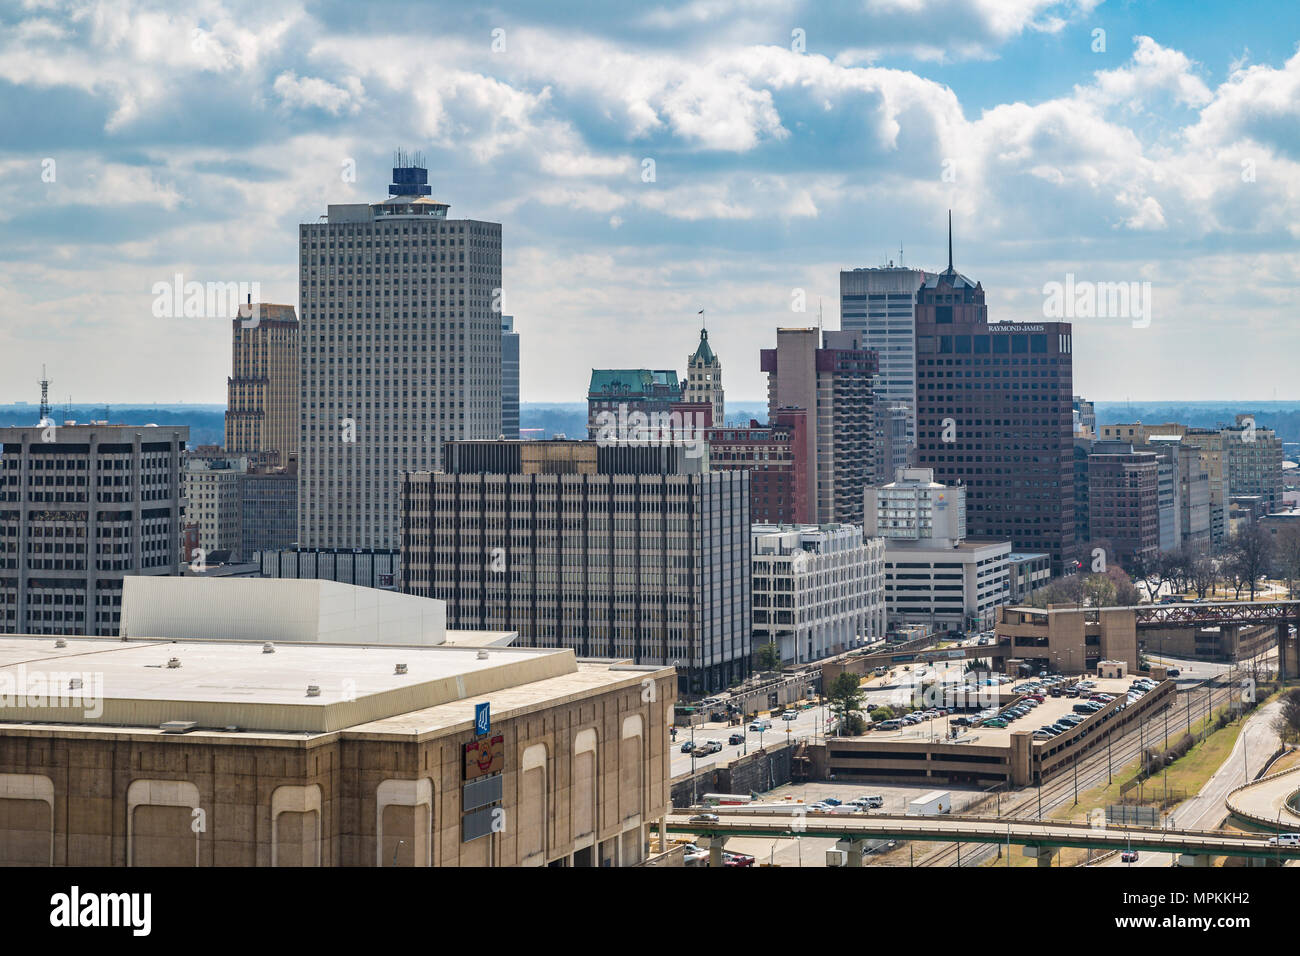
{"x": 262, "y": 390}
{"x": 400, "y": 352}
{"x": 880, "y": 305}
{"x": 509, "y": 378}
{"x": 994, "y": 410}
{"x": 82, "y": 507}
{"x": 834, "y": 383}
{"x": 616, "y": 551}
{"x": 704, "y": 378}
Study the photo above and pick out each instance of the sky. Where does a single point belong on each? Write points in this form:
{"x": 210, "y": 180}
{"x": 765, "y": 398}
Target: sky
{"x": 650, "y": 160}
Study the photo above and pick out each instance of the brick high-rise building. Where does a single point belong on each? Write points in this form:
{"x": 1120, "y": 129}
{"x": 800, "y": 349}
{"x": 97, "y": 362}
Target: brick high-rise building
{"x": 262, "y": 390}
{"x": 773, "y": 455}
{"x": 834, "y": 382}
{"x": 994, "y": 410}
{"x": 400, "y": 351}
{"x": 1123, "y": 504}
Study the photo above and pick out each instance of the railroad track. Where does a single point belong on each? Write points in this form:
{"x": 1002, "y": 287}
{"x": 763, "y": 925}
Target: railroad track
{"x": 1024, "y": 804}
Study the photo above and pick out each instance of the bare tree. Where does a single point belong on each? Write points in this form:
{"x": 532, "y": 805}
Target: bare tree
{"x": 1249, "y": 556}
{"x": 1286, "y": 555}
{"x": 1203, "y": 572}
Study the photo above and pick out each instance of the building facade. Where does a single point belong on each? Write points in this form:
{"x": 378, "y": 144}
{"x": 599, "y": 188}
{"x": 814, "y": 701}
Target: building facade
{"x": 779, "y": 490}
{"x": 509, "y": 378}
{"x": 704, "y": 379}
{"x": 82, "y": 507}
{"x": 880, "y": 305}
{"x": 620, "y": 392}
{"x": 262, "y": 390}
{"x": 214, "y": 506}
{"x": 400, "y": 351}
{"x": 915, "y": 507}
{"x": 268, "y": 500}
{"x": 818, "y": 589}
{"x": 1123, "y": 503}
{"x": 641, "y": 560}
{"x": 833, "y": 380}
{"x": 994, "y": 411}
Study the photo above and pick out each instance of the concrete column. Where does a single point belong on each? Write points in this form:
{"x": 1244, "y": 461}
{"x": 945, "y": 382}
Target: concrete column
{"x": 855, "y": 853}
{"x": 1189, "y": 859}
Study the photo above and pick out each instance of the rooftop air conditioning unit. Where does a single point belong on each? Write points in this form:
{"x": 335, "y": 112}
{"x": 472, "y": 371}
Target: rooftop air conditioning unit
{"x": 313, "y": 690}
{"x": 173, "y": 662}
{"x": 400, "y": 669}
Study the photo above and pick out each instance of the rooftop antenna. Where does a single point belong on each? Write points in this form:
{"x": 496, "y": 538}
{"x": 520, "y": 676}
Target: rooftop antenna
{"x": 950, "y": 240}
{"x": 45, "y": 395}
{"x": 900, "y": 254}
{"x": 819, "y": 316}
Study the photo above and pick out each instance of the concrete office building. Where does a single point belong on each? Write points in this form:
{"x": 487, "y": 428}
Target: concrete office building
{"x": 1123, "y": 503}
{"x": 916, "y": 508}
{"x": 1254, "y": 459}
{"x": 880, "y": 305}
{"x": 1026, "y": 573}
{"x": 779, "y": 490}
{"x": 834, "y": 383}
{"x": 262, "y": 390}
{"x": 620, "y": 552}
{"x": 1068, "y": 640}
{"x": 818, "y": 589}
{"x": 509, "y": 378}
{"x": 81, "y": 507}
{"x": 340, "y": 747}
{"x": 1196, "y": 509}
{"x": 214, "y": 506}
{"x": 994, "y": 406}
{"x": 400, "y": 351}
{"x": 704, "y": 379}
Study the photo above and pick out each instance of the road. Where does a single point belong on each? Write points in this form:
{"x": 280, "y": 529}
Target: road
{"x": 1205, "y": 811}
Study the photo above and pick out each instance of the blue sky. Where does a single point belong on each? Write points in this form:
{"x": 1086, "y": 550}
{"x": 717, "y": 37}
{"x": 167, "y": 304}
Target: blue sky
{"x": 194, "y": 138}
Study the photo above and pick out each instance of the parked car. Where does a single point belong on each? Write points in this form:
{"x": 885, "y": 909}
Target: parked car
{"x": 1043, "y": 735}
{"x": 894, "y": 724}
{"x": 870, "y": 802}
{"x": 995, "y": 722}
{"x": 1049, "y": 730}
{"x": 832, "y": 802}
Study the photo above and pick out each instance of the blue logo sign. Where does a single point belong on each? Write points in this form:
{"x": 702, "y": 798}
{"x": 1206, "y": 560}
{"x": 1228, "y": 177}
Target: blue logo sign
{"x": 482, "y": 719}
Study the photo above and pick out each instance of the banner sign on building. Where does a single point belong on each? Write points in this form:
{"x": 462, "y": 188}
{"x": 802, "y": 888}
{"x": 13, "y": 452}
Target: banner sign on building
{"x": 484, "y": 756}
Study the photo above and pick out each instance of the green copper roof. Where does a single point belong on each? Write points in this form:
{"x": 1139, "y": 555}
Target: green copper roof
{"x": 703, "y": 352}
{"x": 634, "y": 381}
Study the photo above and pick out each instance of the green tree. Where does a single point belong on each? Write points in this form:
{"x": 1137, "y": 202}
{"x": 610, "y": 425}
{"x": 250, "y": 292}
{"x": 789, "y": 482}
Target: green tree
{"x": 769, "y": 657}
{"x": 882, "y": 713}
{"x": 845, "y": 698}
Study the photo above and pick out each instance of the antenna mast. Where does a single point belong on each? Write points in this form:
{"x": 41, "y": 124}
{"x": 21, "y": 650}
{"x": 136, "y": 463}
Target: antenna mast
{"x": 45, "y": 395}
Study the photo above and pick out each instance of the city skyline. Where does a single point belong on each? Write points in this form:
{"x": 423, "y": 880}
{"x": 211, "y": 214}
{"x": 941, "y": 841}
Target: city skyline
{"x": 781, "y": 152}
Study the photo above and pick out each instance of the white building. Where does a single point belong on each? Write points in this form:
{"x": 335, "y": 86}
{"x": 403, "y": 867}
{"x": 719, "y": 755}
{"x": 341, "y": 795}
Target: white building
{"x": 933, "y": 574}
{"x": 213, "y": 504}
{"x": 400, "y": 351}
{"x": 817, "y": 589}
{"x": 915, "y": 507}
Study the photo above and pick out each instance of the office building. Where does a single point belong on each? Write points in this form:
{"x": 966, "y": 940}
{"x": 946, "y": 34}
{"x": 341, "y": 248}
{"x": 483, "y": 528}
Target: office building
{"x": 262, "y": 390}
{"x": 1189, "y": 467}
{"x": 621, "y": 392}
{"x": 779, "y": 491}
{"x": 213, "y": 505}
{"x": 880, "y": 305}
{"x": 316, "y": 727}
{"x": 1026, "y": 573}
{"x": 509, "y": 378}
{"x": 1254, "y": 458}
{"x": 818, "y": 589}
{"x": 372, "y": 569}
{"x": 81, "y": 507}
{"x": 933, "y": 574}
{"x": 994, "y": 407}
{"x": 268, "y": 499}
{"x": 400, "y": 351}
{"x": 1123, "y": 504}
{"x": 704, "y": 379}
{"x": 1083, "y": 417}
{"x": 646, "y": 558}
{"x": 831, "y": 379}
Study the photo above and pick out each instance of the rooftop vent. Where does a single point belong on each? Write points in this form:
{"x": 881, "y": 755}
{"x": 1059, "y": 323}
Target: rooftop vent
{"x": 400, "y": 669}
{"x": 482, "y": 654}
{"x": 173, "y": 662}
{"x": 268, "y": 648}
{"x": 313, "y": 690}
{"x": 74, "y": 683}
{"x": 60, "y": 643}
{"x": 177, "y": 726}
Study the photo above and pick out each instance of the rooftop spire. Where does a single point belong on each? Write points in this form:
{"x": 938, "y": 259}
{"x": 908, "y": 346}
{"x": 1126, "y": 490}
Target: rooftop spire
{"x": 950, "y": 240}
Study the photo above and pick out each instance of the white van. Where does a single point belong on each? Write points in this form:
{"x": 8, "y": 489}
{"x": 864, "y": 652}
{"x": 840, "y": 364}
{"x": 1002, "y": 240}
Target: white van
{"x": 1285, "y": 839}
